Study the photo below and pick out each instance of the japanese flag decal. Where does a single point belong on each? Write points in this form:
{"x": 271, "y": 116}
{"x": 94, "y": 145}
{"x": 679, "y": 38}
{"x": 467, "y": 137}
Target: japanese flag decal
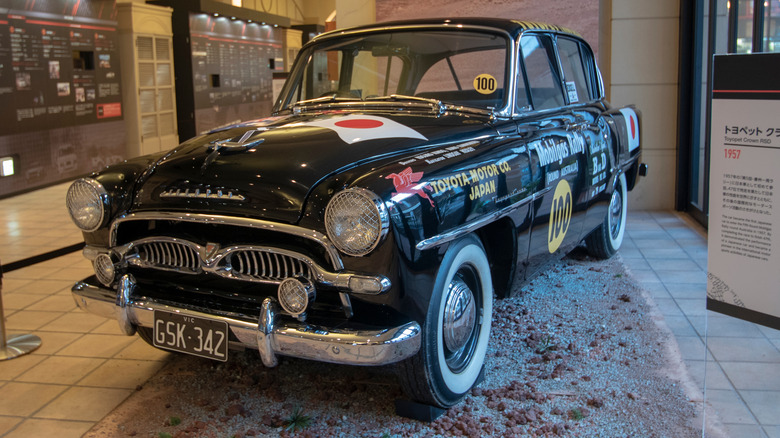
{"x": 632, "y": 127}
{"x": 357, "y": 127}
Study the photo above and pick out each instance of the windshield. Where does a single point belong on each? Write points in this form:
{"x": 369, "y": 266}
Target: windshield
{"x": 456, "y": 67}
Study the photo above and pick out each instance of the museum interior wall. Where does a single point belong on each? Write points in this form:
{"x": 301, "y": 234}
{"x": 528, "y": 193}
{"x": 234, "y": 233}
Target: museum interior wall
{"x": 644, "y": 71}
{"x": 63, "y": 116}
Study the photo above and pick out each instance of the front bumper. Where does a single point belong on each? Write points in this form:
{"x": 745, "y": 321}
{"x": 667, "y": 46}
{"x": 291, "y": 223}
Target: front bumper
{"x": 268, "y": 333}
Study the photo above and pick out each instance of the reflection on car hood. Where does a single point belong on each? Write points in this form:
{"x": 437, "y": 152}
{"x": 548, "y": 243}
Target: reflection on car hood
{"x": 266, "y": 168}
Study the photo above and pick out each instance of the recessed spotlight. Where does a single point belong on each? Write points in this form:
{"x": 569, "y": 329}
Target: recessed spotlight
{"x": 6, "y": 166}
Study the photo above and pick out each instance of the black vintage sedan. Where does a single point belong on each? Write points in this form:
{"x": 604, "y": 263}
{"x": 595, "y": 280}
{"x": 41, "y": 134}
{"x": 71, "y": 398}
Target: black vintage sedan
{"x": 409, "y": 173}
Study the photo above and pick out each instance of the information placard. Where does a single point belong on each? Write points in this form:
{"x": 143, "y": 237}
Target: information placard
{"x": 744, "y": 222}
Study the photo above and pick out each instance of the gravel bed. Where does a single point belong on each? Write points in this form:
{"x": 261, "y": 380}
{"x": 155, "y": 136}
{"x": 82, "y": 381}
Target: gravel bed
{"x": 578, "y": 351}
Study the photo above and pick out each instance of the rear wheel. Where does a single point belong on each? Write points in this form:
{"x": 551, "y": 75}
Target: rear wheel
{"x": 605, "y": 241}
{"x": 456, "y": 330}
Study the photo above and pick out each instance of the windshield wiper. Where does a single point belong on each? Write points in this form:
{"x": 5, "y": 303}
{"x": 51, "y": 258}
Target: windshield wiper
{"x": 332, "y": 97}
{"x": 405, "y": 97}
{"x": 438, "y": 105}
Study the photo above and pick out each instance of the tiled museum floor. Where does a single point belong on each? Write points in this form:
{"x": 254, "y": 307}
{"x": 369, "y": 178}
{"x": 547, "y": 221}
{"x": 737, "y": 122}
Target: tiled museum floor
{"x": 85, "y": 367}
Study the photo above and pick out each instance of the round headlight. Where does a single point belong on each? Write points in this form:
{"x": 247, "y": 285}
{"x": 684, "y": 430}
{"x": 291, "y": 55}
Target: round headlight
{"x": 356, "y": 220}
{"x": 86, "y": 201}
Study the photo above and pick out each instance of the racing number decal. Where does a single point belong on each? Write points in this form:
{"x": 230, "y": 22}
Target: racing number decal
{"x": 560, "y": 216}
{"x": 485, "y": 84}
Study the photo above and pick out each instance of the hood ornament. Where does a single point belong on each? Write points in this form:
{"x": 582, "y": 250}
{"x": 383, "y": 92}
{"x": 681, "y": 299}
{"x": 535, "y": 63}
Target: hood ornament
{"x": 237, "y": 145}
{"x": 232, "y": 145}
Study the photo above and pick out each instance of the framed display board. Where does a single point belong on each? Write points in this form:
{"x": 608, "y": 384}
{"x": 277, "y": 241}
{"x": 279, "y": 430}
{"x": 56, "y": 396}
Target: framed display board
{"x": 744, "y": 222}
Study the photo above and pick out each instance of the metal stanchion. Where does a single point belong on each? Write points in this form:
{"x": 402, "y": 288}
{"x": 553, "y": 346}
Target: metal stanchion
{"x": 17, "y": 345}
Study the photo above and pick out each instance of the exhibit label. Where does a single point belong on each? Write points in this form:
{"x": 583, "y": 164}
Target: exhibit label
{"x": 744, "y": 222}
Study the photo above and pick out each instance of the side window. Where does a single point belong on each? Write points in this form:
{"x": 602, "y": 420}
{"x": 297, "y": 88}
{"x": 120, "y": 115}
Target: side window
{"x": 543, "y": 78}
{"x": 577, "y": 89}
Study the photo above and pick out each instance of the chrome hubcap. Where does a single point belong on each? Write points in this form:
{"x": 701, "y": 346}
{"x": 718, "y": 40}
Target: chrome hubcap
{"x": 460, "y": 314}
{"x": 615, "y": 210}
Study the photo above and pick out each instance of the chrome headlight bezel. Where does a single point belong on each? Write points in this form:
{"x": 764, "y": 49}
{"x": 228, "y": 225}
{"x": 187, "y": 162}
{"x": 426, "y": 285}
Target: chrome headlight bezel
{"x": 357, "y": 232}
{"x": 84, "y": 194}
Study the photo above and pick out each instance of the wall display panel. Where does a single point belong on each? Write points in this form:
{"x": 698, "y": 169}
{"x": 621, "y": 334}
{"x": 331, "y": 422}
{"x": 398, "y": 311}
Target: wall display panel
{"x": 233, "y": 62}
{"x": 60, "y": 64}
{"x": 60, "y": 88}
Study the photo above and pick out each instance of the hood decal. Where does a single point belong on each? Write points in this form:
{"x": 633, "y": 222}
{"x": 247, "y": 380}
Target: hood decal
{"x": 355, "y": 128}
{"x": 406, "y": 183}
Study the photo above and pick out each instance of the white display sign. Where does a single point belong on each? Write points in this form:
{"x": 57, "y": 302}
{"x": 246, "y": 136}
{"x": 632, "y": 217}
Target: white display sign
{"x": 744, "y": 222}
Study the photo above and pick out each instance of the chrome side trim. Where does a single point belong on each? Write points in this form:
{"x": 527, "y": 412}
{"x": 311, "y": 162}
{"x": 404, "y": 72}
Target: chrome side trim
{"x": 469, "y": 227}
{"x": 268, "y": 332}
{"x": 316, "y": 236}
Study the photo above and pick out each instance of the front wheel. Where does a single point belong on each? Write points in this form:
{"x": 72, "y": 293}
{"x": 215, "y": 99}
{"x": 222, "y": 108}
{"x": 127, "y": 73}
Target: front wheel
{"x": 604, "y": 242}
{"x": 456, "y": 330}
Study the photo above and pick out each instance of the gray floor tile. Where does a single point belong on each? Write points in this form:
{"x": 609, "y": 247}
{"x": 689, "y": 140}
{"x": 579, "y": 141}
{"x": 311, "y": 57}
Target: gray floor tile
{"x": 660, "y": 242}
{"x": 713, "y": 375}
{"x": 730, "y": 407}
{"x": 743, "y": 350}
{"x": 636, "y": 264}
{"x": 744, "y": 431}
{"x": 664, "y": 253}
{"x": 772, "y": 431}
{"x": 668, "y": 307}
{"x": 753, "y": 375}
{"x": 680, "y": 326}
{"x": 694, "y": 244}
{"x": 695, "y": 276}
{"x": 726, "y": 326}
{"x": 765, "y": 405}
{"x": 645, "y": 276}
{"x": 679, "y": 233}
{"x": 656, "y": 290}
{"x": 631, "y": 253}
{"x": 657, "y": 234}
{"x": 686, "y": 290}
{"x": 692, "y": 307}
{"x": 770, "y": 333}
{"x": 673, "y": 265}
{"x": 692, "y": 348}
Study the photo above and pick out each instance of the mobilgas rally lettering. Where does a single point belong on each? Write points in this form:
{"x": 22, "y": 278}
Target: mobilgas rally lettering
{"x": 550, "y": 150}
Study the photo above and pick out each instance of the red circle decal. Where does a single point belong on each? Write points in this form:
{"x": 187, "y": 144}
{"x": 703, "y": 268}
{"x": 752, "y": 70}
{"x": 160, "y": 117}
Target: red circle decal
{"x": 359, "y": 124}
{"x": 633, "y": 127}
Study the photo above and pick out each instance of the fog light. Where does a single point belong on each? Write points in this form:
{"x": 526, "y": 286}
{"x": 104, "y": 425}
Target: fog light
{"x": 295, "y": 294}
{"x": 104, "y": 269}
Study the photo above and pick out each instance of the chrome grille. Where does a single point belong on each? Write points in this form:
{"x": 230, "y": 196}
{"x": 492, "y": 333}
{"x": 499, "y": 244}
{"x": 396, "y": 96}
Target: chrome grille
{"x": 170, "y": 255}
{"x": 261, "y": 265}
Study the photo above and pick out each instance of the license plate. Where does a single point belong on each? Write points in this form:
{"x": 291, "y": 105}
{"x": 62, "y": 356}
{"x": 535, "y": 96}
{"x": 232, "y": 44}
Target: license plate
{"x": 192, "y": 335}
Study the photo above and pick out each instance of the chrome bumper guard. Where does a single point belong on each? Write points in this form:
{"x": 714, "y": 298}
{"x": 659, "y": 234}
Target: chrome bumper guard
{"x": 269, "y": 335}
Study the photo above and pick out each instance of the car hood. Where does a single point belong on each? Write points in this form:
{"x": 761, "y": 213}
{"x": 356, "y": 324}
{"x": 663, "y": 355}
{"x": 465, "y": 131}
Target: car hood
{"x": 266, "y": 168}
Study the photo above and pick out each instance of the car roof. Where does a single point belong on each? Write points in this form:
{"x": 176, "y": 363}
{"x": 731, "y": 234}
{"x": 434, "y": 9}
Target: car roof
{"x": 512, "y": 27}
